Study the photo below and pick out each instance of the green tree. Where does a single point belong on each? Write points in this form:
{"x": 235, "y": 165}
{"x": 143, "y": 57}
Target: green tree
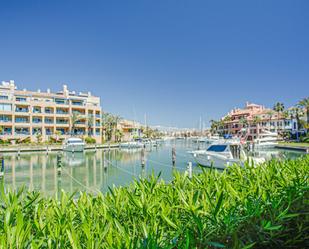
{"x": 256, "y": 122}
{"x": 89, "y": 121}
{"x": 75, "y": 117}
{"x": 243, "y": 121}
{"x": 305, "y": 104}
{"x": 297, "y": 113}
{"x": 110, "y": 123}
{"x": 279, "y": 108}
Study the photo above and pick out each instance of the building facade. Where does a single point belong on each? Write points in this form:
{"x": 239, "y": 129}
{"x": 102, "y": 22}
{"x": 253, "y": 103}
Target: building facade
{"x": 30, "y": 114}
{"x": 130, "y": 130}
{"x": 256, "y": 118}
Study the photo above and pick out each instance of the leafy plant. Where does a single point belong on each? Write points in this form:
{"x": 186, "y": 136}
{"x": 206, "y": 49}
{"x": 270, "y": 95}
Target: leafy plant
{"x": 250, "y": 207}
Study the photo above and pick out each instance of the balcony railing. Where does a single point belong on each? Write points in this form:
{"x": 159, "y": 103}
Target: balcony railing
{"x": 62, "y": 122}
{"x": 77, "y": 103}
{"x": 62, "y": 112}
{"x": 21, "y": 110}
{"x": 22, "y": 132}
{"x": 21, "y": 120}
{"x": 5, "y": 120}
{"x": 48, "y": 121}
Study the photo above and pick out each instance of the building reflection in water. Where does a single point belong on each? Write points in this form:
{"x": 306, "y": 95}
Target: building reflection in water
{"x": 91, "y": 170}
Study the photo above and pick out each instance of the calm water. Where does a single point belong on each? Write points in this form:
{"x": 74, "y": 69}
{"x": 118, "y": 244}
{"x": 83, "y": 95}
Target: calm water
{"x": 94, "y": 171}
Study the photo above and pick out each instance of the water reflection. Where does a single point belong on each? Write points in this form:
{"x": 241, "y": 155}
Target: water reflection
{"x": 94, "y": 171}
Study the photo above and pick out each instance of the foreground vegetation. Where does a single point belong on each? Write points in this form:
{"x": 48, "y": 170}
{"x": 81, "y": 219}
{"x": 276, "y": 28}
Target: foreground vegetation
{"x": 263, "y": 207}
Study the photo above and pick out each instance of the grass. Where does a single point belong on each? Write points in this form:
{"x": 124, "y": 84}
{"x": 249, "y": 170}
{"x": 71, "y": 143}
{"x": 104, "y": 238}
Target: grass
{"x": 262, "y": 207}
{"x": 295, "y": 144}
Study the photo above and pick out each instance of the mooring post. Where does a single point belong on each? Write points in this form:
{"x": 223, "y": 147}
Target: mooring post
{"x": 18, "y": 153}
{"x": 174, "y": 156}
{"x": 189, "y": 169}
{"x": 1, "y": 166}
{"x": 47, "y": 150}
{"x": 104, "y": 162}
{"x": 59, "y": 163}
{"x": 143, "y": 157}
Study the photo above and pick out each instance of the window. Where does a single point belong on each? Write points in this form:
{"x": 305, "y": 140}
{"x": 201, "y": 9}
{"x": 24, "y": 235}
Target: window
{"x": 60, "y": 101}
{"x": 21, "y": 99}
{"x": 5, "y": 107}
{"x": 49, "y": 110}
{"x": 21, "y": 120}
{"x": 36, "y": 109}
{"x": 4, "y": 97}
{"x": 36, "y": 120}
{"x": 49, "y": 120}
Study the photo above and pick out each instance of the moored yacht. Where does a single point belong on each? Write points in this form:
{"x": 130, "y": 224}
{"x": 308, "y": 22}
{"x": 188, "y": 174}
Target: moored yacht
{"x": 222, "y": 154}
{"x": 74, "y": 144}
{"x": 132, "y": 145}
{"x": 266, "y": 139}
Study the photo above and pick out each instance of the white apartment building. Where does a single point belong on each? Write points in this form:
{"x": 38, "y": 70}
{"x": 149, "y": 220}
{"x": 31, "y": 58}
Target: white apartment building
{"x": 25, "y": 114}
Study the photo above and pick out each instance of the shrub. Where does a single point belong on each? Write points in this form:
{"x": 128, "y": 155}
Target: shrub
{"x": 90, "y": 140}
{"x": 262, "y": 207}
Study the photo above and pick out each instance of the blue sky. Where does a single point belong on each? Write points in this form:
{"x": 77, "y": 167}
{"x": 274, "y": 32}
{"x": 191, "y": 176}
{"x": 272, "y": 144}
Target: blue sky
{"x": 174, "y": 60}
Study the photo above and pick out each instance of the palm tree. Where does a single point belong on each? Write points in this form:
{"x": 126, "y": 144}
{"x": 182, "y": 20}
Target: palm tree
{"x": 279, "y": 108}
{"x": 296, "y": 113}
{"x": 270, "y": 114}
{"x": 110, "y": 123}
{"x": 305, "y": 104}
{"x": 243, "y": 121}
{"x": 73, "y": 120}
{"x": 256, "y": 121}
{"x": 89, "y": 121}
{"x": 214, "y": 125}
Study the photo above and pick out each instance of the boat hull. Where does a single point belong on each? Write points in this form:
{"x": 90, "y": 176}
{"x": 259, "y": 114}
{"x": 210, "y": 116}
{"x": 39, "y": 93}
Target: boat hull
{"x": 213, "y": 161}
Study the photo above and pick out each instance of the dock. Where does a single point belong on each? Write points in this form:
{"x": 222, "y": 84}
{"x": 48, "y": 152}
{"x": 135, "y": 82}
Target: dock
{"x": 50, "y": 148}
{"x": 294, "y": 148}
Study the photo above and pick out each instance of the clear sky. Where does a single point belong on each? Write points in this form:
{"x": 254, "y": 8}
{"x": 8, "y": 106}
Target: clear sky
{"x": 174, "y": 60}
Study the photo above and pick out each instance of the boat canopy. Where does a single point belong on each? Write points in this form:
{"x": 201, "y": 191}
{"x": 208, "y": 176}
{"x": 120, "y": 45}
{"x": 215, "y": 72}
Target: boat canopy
{"x": 217, "y": 148}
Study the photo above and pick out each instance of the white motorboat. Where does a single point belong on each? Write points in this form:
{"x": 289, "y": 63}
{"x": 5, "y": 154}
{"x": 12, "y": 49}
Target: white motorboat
{"x": 266, "y": 139}
{"x": 74, "y": 144}
{"x": 223, "y": 154}
{"x": 132, "y": 145}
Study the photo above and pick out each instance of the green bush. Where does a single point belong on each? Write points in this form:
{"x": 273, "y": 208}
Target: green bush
{"x": 262, "y": 207}
{"x": 90, "y": 140}
{"x": 3, "y": 141}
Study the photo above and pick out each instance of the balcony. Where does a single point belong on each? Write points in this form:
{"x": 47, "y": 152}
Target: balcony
{"x": 22, "y": 132}
{"x": 5, "y": 120}
{"x": 19, "y": 99}
{"x": 62, "y": 112}
{"x": 49, "y": 110}
{"x": 62, "y": 122}
{"x": 77, "y": 103}
{"x": 22, "y": 110}
{"x": 36, "y": 121}
{"x": 48, "y": 121}
{"x": 21, "y": 120}
{"x": 48, "y": 132}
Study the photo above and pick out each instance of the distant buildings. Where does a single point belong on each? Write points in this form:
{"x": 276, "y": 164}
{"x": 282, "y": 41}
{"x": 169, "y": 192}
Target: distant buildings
{"x": 256, "y": 118}
{"x": 29, "y": 114}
